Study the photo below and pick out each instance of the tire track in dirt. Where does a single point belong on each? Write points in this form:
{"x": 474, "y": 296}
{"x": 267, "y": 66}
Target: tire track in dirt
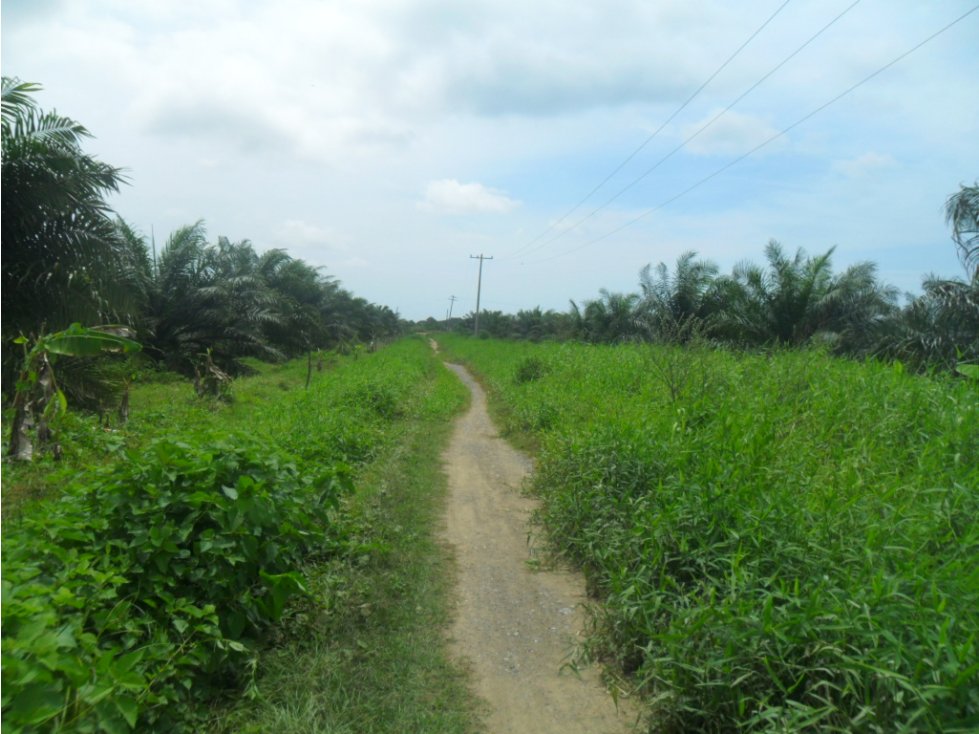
{"x": 514, "y": 627}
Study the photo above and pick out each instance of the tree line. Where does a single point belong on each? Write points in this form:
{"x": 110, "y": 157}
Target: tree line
{"x": 68, "y": 258}
{"x": 792, "y": 300}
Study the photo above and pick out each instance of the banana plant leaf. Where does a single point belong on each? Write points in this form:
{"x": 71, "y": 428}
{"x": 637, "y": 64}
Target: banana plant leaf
{"x": 82, "y": 341}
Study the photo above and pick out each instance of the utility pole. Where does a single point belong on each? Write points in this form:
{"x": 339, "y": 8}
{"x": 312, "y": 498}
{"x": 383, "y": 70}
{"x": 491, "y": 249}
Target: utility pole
{"x": 448, "y": 316}
{"x": 479, "y": 287}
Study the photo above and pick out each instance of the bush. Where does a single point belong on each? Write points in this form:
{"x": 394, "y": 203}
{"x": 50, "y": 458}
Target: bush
{"x": 529, "y": 370}
{"x": 143, "y": 589}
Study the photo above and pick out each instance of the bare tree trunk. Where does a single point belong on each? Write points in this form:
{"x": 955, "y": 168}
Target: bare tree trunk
{"x": 21, "y": 446}
{"x": 124, "y": 405}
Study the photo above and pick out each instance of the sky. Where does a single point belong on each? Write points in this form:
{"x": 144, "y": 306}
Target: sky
{"x": 390, "y": 141}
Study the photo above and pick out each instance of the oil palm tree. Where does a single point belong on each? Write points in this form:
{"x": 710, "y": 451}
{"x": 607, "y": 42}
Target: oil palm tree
{"x": 208, "y": 299}
{"x": 673, "y": 303}
{"x": 962, "y": 213}
{"x": 611, "y": 318}
{"x": 300, "y": 292}
{"x": 941, "y": 327}
{"x": 61, "y": 246}
{"x": 794, "y": 298}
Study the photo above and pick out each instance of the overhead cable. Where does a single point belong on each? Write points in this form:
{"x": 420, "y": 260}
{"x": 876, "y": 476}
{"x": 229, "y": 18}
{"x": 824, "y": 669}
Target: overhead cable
{"x": 702, "y": 129}
{"x": 768, "y": 141}
{"x": 656, "y": 132}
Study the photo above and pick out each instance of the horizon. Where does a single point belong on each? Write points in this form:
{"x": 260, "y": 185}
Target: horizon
{"x": 389, "y": 141}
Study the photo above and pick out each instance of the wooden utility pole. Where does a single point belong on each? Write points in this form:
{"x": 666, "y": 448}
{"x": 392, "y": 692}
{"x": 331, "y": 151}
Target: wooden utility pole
{"x": 479, "y": 287}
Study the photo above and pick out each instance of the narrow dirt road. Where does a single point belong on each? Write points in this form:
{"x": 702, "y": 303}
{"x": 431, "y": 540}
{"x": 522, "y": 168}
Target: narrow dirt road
{"x": 514, "y": 626}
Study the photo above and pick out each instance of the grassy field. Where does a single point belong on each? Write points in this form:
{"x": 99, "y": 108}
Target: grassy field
{"x": 266, "y": 564}
{"x": 781, "y": 542}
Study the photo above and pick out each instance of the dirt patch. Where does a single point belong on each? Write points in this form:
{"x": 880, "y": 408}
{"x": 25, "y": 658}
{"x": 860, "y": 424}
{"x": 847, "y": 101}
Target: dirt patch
{"x": 514, "y": 626}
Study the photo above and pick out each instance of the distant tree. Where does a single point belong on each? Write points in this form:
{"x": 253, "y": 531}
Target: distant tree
{"x": 672, "y": 302}
{"x": 794, "y": 298}
{"x": 209, "y": 300}
{"x": 940, "y": 328}
{"x": 492, "y": 324}
{"x": 535, "y": 325}
{"x": 611, "y": 318}
{"x": 529, "y": 324}
{"x": 962, "y": 213}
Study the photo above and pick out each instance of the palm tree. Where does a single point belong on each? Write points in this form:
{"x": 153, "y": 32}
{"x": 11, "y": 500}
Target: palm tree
{"x": 61, "y": 248}
{"x": 795, "y": 298}
{"x": 300, "y": 290}
{"x": 209, "y": 300}
{"x": 611, "y": 318}
{"x": 856, "y": 310}
{"x": 962, "y": 212}
{"x": 941, "y": 327}
{"x": 673, "y": 304}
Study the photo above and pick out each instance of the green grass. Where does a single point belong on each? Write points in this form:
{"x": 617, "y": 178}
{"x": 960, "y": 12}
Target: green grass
{"x": 376, "y": 662}
{"x": 362, "y": 652}
{"x": 780, "y": 542}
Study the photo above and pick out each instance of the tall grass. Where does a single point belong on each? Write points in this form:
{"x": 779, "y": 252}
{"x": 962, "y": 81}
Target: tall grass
{"x": 780, "y": 543}
{"x": 154, "y": 581}
{"x": 375, "y": 659}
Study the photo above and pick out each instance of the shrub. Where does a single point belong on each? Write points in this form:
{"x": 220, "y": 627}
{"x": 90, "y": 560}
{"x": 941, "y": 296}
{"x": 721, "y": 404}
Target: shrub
{"x": 529, "y": 370}
{"x": 143, "y": 589}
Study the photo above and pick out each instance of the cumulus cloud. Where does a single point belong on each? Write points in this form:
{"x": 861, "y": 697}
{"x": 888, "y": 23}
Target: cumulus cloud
{"x": 451, "y": 197}
{"x": 306, "y": 121}
{"x": 733, "y": 133}
{"x": 510, "y": 57}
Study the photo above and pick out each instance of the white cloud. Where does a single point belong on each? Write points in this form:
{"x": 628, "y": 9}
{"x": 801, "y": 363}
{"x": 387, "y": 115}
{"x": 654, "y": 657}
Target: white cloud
{"x": 450, "y": 196}
{"x": 310, "y": 241}
{"x": 298, "y": 231}
{"x": 314, "y": 125}
{"x": 733, "y": 132}
{"x": 863, "y": 164}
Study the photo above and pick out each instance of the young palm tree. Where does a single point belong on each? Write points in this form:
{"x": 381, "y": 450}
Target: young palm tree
{"x": 672, "y": 304}
{"x": 795, "y": 298}
{"x": 611, "y": 318}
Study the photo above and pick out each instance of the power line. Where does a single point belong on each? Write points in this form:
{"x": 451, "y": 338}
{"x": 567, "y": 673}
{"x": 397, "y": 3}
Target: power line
{"x": 658, "y": 130}
{"x": 769, "y": 140}
{"x": 704, "y": 127}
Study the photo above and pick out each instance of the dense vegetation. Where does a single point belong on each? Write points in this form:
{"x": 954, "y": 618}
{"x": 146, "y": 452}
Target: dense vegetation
{"x": 780, "y": 542}
{"x": 148, "y": 582}
{"x": 793, "y": 300}
{"x": 67, "y": 259}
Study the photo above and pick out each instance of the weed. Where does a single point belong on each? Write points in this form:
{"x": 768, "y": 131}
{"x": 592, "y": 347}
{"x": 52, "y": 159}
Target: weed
{"x": 781, "y": 542}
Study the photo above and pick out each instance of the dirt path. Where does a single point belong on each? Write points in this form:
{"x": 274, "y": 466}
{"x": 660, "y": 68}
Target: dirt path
{"x": 513, "y": 625}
